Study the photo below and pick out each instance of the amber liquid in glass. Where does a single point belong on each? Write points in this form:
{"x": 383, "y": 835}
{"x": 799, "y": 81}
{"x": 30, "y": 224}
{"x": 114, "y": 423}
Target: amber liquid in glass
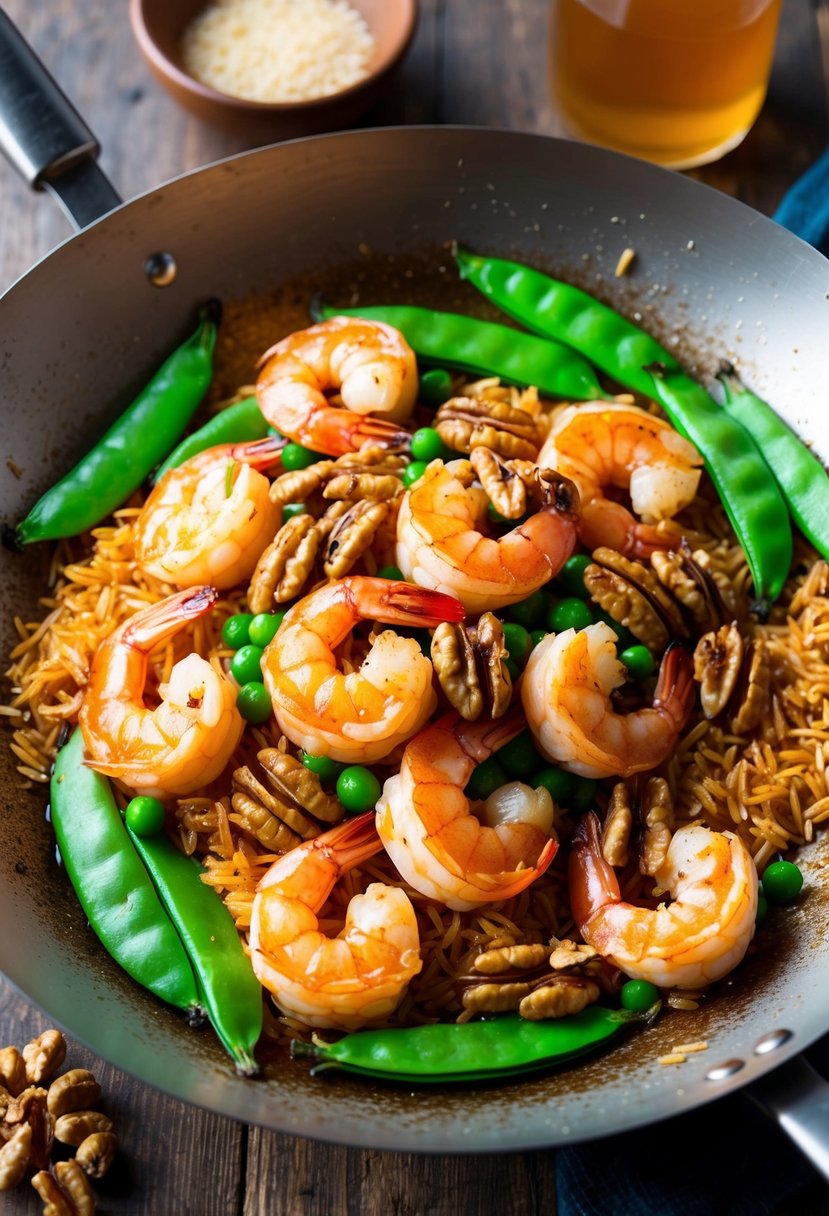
{"x": 678, "y": 82}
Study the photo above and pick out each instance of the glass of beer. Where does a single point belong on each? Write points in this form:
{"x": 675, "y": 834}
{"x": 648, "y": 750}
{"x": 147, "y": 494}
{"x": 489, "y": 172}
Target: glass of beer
{"x": 678, "y": 82}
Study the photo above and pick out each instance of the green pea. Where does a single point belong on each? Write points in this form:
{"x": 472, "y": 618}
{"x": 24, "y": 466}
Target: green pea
{"x": 435, "y": 387}
{"x": 263, "y": 627}
{"x": 762, "y": 906}
{"x": 638, "y": 995}
{"x": 254, "y": 702}
{"x": 326, "y": 769}
{"x": 519, "y": 757}
{"x": 235, "y": 630}
{"x": 558, "y": 781}
{"x": 246, "y": 664}
{"x": 584, "y": 793}
{"x": 570, "y": 578}
{"x": 144, "y": 815}
{"x": 782, "y": 881}
{"x": 518, "y": 642}
{"x": 427, "y": 445}
{"x": 358, "y": 789}
{"x": 413, "y": 472}
{"x": 392, "y": 572}
{"x": 488, "y": 777}
{"x": 296, "y": 457}
{"x": 639, "y": 662}
{"x": 531, "y": 612}
{"x": 538, "y": 635}
{"x": 293, "y": 508}
{"x": 570, "y": 613}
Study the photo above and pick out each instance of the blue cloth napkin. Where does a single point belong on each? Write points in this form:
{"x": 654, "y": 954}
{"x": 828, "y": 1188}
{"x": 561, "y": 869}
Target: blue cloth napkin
{"x": 727, "y": 1158}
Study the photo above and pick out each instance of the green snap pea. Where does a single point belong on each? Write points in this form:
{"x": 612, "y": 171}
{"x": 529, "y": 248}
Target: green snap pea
{"x": 471, "y": 1051}
{"x": 485, "y": 348}
{"x": 734, "y": 461}
{"x": 133, "y": 445}
{"x": 802, "y": 478}
{"x": 112, "y": 885}
{"x": 228, "y": 989}
{"x": 239, "y": 423}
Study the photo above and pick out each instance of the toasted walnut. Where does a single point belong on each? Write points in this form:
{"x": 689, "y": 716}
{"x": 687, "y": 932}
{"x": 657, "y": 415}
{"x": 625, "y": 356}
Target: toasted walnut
{"x": 523, "y": 957}
{"x": 494, "y": 998}
{"x": 284, "y": 566}
{"x": 565, "y": 995}
{"x": 717, "y": 660}
{"x": 96, "y": 1153}
{"x": 634, "y": 597}
{"x": 75, "y": 1185}
{"x": 44, "y": 1055}
{"x": 352, "y": 534}
{"x": 56, "y": 1202}
{"x": 15, "y": 1156}
{"x": 567, "y": 954}
{"x": 299, "y": 484}
{"x": 464, "y": 423}
{"x": 294, "y": 783}
{"x": 470, "y": 666}
{"x": 257, "y": 812}
{"x": 356, "y": 486}
{"x": 74, "y": 1090}
{"x": 657, "y": 824}
{"x": 12, "y": 1070}
{"x": 688, "y": 578}
{"x": 752, "y": 695}
{"x": 503, "y": 485}
{"x": 31, "y": 1107}
{"x": 75, "y": 1127}
{"x": 617, "y": 826}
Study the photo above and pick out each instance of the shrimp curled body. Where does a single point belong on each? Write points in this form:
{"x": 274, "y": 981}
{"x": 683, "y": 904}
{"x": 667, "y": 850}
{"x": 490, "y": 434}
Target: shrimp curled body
{"x": 701, "y": 935}
{"x": 184, "y": 743}
{"x": 346, "y": 981}
{"x": 440, "y": 543}
{"x": 368, "y": 362}
{"x": 208, "y": 520}
{"x": 566, "y": 696}
{"x": 360, "y": 716}
{"x": 610, "y": 444}
{"x": 425, "y": 822}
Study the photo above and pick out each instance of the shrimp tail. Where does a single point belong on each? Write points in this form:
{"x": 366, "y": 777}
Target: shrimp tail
{"x": 560, "y": 493}
{"x": 483, "y": 737}
{"x": 166, "y": 618}
{"x": 259, "y": 453}
{"x": 353, "y": 841}
{"x": 675, "y": 687}
{"x": 399, "y": 603}
{"x": 592, "y": 880}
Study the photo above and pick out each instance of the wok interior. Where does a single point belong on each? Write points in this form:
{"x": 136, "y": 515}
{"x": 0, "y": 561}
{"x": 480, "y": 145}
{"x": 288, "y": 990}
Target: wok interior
{"x": 368, "y": 214}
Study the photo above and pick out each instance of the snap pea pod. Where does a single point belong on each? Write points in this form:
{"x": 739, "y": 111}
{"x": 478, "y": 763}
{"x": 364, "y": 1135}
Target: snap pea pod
{"x": 228, "y": 989}
{"x": 112, "y": 885}
{"x": 471, "y": 1051}
{"x": 800, "y": 475}
{"x": 748, "y": 491}
{"x": 238, "y": 423}
{"x": 132, "y": 447}
{"x": 483, "y": 347}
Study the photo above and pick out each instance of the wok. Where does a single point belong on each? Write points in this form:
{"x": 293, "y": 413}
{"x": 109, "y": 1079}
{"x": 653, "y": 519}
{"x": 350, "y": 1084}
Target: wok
{"x": 84, "y": 329}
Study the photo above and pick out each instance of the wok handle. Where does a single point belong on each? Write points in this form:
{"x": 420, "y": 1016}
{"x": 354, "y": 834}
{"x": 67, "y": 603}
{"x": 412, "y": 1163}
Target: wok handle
{"x": 797, "y": 1096}
{"x": 43, "y": 135}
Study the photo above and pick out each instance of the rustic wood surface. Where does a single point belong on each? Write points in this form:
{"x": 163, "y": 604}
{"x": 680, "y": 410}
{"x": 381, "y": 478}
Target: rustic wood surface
{"x": 473, "y": 61}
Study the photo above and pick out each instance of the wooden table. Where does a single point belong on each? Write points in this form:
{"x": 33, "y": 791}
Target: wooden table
{"x": 473, "y": 61}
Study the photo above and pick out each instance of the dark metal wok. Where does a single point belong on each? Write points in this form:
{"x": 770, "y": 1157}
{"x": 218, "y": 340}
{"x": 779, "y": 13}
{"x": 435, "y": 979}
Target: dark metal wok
{"x": 83, "y": 329}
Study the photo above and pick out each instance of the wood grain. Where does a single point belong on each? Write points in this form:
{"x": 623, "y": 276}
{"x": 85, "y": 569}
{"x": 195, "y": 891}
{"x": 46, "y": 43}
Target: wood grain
{"x": 473, "y": 61}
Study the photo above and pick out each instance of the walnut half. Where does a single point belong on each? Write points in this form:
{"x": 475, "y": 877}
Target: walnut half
{"x": 470, "y": 666}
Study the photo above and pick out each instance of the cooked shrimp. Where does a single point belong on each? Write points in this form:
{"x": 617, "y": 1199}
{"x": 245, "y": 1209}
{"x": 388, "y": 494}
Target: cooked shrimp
{"x": 698, "y": 937}
{"x": 372, "y": 366}
{"x": 340, "y": 982}
{"x": 440, "y": 544}
{"x": 208, "y": 520}
{"x": 566, "y": 696}
{"x": 361, "y": 716}
{"x": 439, "y": 846}
{"x": 186, "y": 741}
{"x": 603, "y": 444}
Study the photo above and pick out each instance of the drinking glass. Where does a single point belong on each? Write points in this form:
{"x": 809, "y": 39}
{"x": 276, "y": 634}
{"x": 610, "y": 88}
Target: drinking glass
{"x": 678, "y": 82}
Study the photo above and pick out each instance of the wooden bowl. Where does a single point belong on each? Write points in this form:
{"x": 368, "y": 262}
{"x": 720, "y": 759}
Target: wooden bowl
{"x": 158, "y": 26}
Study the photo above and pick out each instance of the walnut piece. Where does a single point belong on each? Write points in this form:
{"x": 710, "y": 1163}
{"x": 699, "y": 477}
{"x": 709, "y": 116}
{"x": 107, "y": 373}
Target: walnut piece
{"x": 567, "y": 954}
{"x": 494, "y": 998}
{"x": 15, "y": 1156}
{"x": 294, "y": 783}
{"x": 284, "y": 566}
{"x": 31, "y": 1107}
{"x": 687, "y": 576}
{"x": 75, "y": 1127}
{"x": 752, "y": 694}
{"x": 633, "y": 596}
{"x": 299, "y": 484}
{"x": 565, "y": 995}
{"x": 470, "y": 666}
{"x": 464, "y": 423}
{"x": 74, "y": 1090}
{"x": 617, "y": 826}
{"x": 523, "y": 957}
{"x": 44, "y": 1055}
{"x": 356, "y": 486}
{"x": 96, "y": 1153}
{"x": 503, "y": 484}
{"x": 657, "y": 824}
{"x": 256, "y": 811}
{"x": 718, "y": 658}
{"x": 352, "y": 534}
{"x": 12, "y": 1070}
